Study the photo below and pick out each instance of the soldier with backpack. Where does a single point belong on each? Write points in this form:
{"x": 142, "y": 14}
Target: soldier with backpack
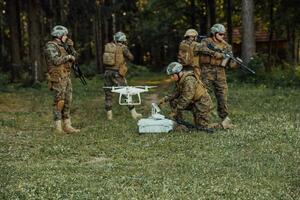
{"x": 114, "y": 60}
{"x": 188, "y": 55}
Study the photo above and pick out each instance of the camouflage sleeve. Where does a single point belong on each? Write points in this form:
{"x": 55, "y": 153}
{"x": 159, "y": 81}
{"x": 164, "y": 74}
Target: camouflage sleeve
{"x": 127, "y": 53}
{"x": 203, "y": 48}
{"x": 52, "y": 55}
{"x": 197, "y": 48}
{"x": 187, "y": 93}
{"x": 228, "y": 49}
{"x": 173, "y": 95}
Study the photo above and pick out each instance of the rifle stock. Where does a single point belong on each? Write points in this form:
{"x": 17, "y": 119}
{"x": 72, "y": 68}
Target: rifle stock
{"x": 194, "y": 127}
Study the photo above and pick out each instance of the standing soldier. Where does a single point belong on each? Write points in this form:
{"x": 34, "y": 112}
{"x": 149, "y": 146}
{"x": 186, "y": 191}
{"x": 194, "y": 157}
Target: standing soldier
{"x": 114, "y": 59}
{"x": 213, "y": 65}
{"x": 188, "y": 55}
{"x": 59, "y": 63}
{"x": 190, "y": 94}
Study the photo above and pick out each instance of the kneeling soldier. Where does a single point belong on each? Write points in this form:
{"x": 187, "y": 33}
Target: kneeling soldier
{"x": 190, "y": 94}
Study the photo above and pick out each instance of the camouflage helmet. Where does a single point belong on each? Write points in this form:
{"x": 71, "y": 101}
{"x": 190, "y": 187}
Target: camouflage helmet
{"x": 217, "y": 28}
{"x": 191, "y": 32}
{"x": 174, "y": 68}
{"x": 120, "y": 37}
{"x": 59, "y": 31}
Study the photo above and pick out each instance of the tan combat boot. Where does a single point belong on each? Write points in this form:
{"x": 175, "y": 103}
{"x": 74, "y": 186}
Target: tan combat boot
{"x": 134, "y": 114}
{"x": 67, "y": 127}
{"x": 109, "y": 115}
{"x": 226, "y": 123}
{"x": 58, "y": 126}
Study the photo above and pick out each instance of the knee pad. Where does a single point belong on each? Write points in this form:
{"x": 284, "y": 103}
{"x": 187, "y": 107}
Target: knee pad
{"x": 60, "y": 105}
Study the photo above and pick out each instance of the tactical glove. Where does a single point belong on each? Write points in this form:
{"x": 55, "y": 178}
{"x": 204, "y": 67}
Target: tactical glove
{"x": 163, "y": 101}
{"x": 70, "y": 58}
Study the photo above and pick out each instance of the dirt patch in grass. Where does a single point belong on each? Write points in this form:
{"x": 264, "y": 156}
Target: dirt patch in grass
{"x": 13, "y": 103}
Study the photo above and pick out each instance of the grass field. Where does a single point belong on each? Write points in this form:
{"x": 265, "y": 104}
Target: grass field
{"x": 258, "y": 159}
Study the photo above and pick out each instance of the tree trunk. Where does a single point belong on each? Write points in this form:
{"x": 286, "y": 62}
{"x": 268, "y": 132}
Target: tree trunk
{"x": 291, "y": 43}
{"x": 229, "y": 20}
{"x": 98, "y": 38}
{"x": 211, "y": 12}
{"x": 34, "y": 41}
{"x": 1, "y": 41}
{"x": 298, "y": 49}
{"x": 248, "y": 37}
{"x": 15, "y": 39}
{"x": 193, "y": 11}
{"x": 270, "y": 63}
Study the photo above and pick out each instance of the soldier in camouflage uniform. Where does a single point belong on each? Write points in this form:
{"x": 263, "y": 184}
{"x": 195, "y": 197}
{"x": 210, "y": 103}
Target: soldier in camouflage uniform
{"x": 59, "y": 63}
{"x": 213, "y": 66}
{"x": 190, "y": 94}
{"x": 188, "y": 55}
{"x": 114, "y": 59}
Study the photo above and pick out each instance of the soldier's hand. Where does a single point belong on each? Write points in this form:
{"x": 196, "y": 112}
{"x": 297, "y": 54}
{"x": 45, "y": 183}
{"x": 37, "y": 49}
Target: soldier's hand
{"x": 71, "y": 58}
{"x": 219, "y": 55}
{"x": 162, "y": 101}
{"x": 173, "y": 115}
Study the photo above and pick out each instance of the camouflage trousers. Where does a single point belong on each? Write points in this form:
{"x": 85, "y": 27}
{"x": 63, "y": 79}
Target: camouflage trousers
{"x": 62, "y": 98}
{"x": 112, "y": 78}
{"x": 200, "y": 110}
{"x": 214, "y": 79}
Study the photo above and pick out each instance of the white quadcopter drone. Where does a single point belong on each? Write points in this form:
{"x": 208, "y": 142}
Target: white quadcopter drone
{"x": 127, "y": 93}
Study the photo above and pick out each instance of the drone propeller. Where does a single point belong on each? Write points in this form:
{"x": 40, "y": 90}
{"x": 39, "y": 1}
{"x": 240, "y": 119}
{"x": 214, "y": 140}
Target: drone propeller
{"x": 146, "y": 86}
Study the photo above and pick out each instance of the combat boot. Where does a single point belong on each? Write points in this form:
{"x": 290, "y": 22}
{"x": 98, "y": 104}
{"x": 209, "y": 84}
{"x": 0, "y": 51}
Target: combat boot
{"x": 58, "y": 126}
{"x": 109, "y": 115}
{"x": 67, "y": 127}
{"x": 226, "y": 123}
{"x": 134, "y": 114}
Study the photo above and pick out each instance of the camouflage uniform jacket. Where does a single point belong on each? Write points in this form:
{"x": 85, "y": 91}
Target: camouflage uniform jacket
{"x": 57, "y": 59}
{"x": 188, "y": 90}
{"x": 207, "y": 55}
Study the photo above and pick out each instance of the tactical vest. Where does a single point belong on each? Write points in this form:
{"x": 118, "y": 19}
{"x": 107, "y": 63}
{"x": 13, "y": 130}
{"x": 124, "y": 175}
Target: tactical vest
{"x": 59, "y": 71}
{"x": 200, "y": 89}
{"x": 186, "y": 54}
{"x": 113, "y": 56}
{"x": 208, "y": 58}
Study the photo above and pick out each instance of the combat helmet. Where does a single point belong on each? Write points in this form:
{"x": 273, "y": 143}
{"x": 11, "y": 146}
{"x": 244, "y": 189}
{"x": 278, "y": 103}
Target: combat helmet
{"x": 217, "y": 28}
{"x": 174, "y": 68}
{"x": 191, "y": 33}
{"x": 120, "y": 37}
{"x": 59, "y": 31}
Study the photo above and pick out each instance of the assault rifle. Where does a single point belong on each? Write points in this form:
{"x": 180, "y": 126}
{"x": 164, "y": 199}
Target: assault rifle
{"x": 75, "y": 67}
{"x": 78, "y": 73}
{"x": 191, "y": 126}
{"x": 229, "y": 55}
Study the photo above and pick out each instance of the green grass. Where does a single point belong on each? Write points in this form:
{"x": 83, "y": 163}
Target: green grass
{"x": 258, "y": 159}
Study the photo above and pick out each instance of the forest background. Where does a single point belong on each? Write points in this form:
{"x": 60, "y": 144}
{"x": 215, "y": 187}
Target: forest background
{"x": 264, "y": 33}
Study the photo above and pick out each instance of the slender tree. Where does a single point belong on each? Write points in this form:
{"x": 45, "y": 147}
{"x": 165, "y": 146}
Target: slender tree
{"x": 228, "y": 12}
{"x": 211, "y": 12}
{"x": 35, "y": 40}
{"x": 271, "y": 27}
{"x": 15, "y": 37}
{"x": 248, "y": 37}
{"x": 98, "y": 37}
